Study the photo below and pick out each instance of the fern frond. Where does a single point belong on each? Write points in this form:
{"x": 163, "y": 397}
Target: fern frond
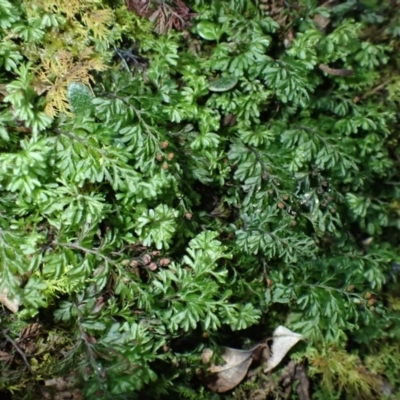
{"x": 98, "y": 21}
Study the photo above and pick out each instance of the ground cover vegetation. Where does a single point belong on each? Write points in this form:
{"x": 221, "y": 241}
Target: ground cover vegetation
{"x": 179, "y": 176}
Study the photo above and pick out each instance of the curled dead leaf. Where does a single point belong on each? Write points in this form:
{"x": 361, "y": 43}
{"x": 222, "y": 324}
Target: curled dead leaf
{"x": 284, "y": 340}
{"x": 11, "y": 304}
{"x": 6, "y": 357}
{"x": 226, "y": 377}
{"x": 206, "y": 356}
{"x": 237, "y": 362}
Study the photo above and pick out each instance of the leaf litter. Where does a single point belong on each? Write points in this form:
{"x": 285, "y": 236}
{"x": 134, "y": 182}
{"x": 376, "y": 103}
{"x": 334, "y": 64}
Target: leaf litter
{"x": 223, "y": 378}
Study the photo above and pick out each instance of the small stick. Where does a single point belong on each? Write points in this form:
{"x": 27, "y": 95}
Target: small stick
{"x": 376, "y": 89}
{"x": 22, "y": 354}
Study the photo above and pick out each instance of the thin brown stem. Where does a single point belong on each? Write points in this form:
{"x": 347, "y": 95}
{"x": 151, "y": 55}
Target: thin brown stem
{"x": 376, "y": 89}
{"x": 326, "y": 3}
{"x": 18, "y": 349}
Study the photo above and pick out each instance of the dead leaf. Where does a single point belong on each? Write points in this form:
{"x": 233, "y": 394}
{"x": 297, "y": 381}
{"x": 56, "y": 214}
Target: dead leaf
{"x": 30, "y": 331}
{"x": 140, "y": 7}
{"x": 237, "y": 362}
{"x": 164, "y": 16}
{"x": 206, "y": 356}
{"x": 261, "y": 353}
{"x": 27, "y": 337}
{"x": 284, "y": 340}
{"x": 11, "y": 304}
{"x": 40, "y": 86}
{"x": 321, "y": 22}
{"x": 229, "y": 375}
{"x": 5, "y": 356}
{"x": 226, "y": 377}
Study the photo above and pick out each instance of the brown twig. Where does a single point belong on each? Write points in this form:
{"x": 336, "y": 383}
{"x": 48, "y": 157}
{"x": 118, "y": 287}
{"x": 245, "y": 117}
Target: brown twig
{"x": 376, "y": 89}
{"x": 288, "y": 5}
{"x": 335, "y": 71}
{"x": 24, "y": 358}
{"x": 21, "y": 353}
{"x": 326, "y": 3}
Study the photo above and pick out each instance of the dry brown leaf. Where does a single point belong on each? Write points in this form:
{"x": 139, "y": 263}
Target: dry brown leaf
{"x": 140, "y": 7}
{"x": 40, "y": 86}
{"x": 5, "y": 356}
{"x": 321, "y": 22}
{"x": 233, "y": 358}
{"x": 237, "y": 362}
{"x": 229, "y": 375}
{"x": 11, "y": 304}
{"x": 27, "y": 337}
{"x": 206, "y": 356}
{"x": 30, "y": 331}
{"x": 284, "y": 340}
